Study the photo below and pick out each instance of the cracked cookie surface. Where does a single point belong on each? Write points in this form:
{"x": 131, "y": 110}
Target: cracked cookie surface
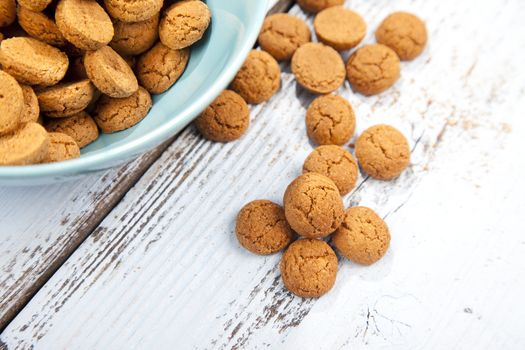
{"x": 261, "y": 227}
{"x": 31, "y": 110}
{"x": 315, "y": 6}
{"x": 66, "y": 99}
{"x": 7, "y": 12}
{"x": 26, "y": 145}
{"x": 135, "y": 38}
{"x": 61, "y": 147}
{"x": 309, "y": 268}
{"x": 363, "y": 237}
{"x": 383, "y": 152}
{"x": 40, "y": 26}
{"x": 34, "y": 5}
{"x": 11, "y": 103}
{"x": 133, "y": 10}
{"x": 339, "y": 28}
{"x": 404, "y": 33}
{"x": 330, "y": 120}
{"x": 81, "y": 127}
{"x": 313, "y": 205}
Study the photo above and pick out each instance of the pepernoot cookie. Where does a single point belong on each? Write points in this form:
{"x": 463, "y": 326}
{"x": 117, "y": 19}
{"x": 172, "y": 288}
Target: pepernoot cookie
{"x": 261, "y": 227}
{"x": 66, "y": 99}
{"x": 7, "y": 12}
{"x": 133, "y": 11}
{"x": 404, "y": 33}
{"x": 258, "y": 79}
{"x": 40, "y": 27}
{"x": 309, "y": 268}
{"x": 318, "y": 68}
{"x": 31, "y": 110}
{"x": 184, "y": 23}
{"x": 372, "y": 69}
{"x": 382, "y": 152}
{"x": 363, "y": 237}
{"x": 33, "y": 62}
{"x": 11, "y": 103}
{"x": 315, "y": 6}
{"x": 282, "y": 34}
{"x": 226, "y": 119}
{"x": 116, "y": 114}
{"x": 110, "y": 73}
{"x": 313, "y": 205}
{"x": 34, "y": 5}
{"x": 84, "y": 23}
{"x": 81, "y": 127}
{"x": 330, "y": 120}
{"x": 160, "y": 67}
{"x": 61, "y": 147}
{"x": 339, "y": 28}
{"x": 335, "y": 163}
{"x": 26, "y": 145}
{"x": 135, "y": 38}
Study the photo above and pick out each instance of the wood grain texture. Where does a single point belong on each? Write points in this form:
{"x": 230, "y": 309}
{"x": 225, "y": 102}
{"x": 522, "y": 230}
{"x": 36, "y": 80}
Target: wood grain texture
{"x": 163, "y": 270}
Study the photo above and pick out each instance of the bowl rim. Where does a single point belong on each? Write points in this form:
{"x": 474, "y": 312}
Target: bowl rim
{"x": 153, "y": 138}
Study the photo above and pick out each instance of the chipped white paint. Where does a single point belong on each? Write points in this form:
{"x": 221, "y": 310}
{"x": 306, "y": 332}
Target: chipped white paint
{"x": 163, "y": 270}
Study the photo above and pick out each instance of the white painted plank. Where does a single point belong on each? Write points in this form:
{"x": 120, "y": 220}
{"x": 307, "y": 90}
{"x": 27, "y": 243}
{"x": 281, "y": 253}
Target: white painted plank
{"x": 164, "y": 269}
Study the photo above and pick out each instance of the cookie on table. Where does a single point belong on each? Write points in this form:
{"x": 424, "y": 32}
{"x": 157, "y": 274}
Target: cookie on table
{"x": 133, "y": 11}
{"x": 61, "y": 147}
{"x": 335, "y": 163}
{"x": 261, "y": 227}
{"x": 373, "y": 69}
{"x": 404, "y": 33}
{"x": 309, "y": 268}
{"x": 81, "y": 127}
{"x": 339, "y": 28}
{"x": 135, "y": 38}
{"x": 184, "y": 23}
{"x": 84, "y": 23}
{"x": 160, "y": 67}
{"x": 110, "y": 73}
{"x": 258, "y": 79}
{"x": 383, "y": 152}
{"x": 315, "y": 6}
{"x": 31, "y": 110}
{"x": 330, "y": 120}
{"x": 7, "y": 12}
{"x": 226, "y": 119}
{"x": 26, "y": 145}
{"x": 318, "y": 68}
{"x": 66, "y": 99}
{"x": 33, "y": 62}
{"x": 116, "y": 114}
{"x": 40, "y": 27}
{"x": 363, "y": 237}
{"x": 282, "y": 34}
{"x": 313, "y": 205}
{"x": 11, "y": 103}
{"x": 34, "y": 5}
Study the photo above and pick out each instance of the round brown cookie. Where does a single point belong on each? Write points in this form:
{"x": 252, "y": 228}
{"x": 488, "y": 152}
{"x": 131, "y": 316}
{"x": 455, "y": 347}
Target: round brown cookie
{"x": 309, "y": 268}
{"x": 66, "y": 99}
{"x": 372, "y": 69}
{"x": 258, "y": 79}
{"x": 281, "y": 34}
{"x": 184, "y": 23}
{"x": 81, "y": 127}
{"x": 318, "y": 68}
{"x": 34, "y": 5}
{"x": 7, "y": 12}
{"x": 61, "y": 147}
{"x": 315, "y": 6}
{"x": 26, "y": 145}
{"x": 133, "y": 10}
{"x": 135, "y": 38}
{"x": 226, "y": 119}
{"x": 313, "y": 205}
{"x": 382, "y": 152}
{"x": 404, "y": 33}
{"x": 116, "y": 114}
{"x": 40, "y": 27}
{"x": 339, "y": 28}
{"x": 110, "y": 73}
{"x": 335, "y": 163}
{"x": 32, "y": 62}
{"x": 160, "y": 67}
{"x": 363, "y": 237}
{"x": 11, "y": 103}
{"x": 31, "y": 110}
{"x": 330, "y": 120}
{"x": 84, "y": 23}
{"x": 262, "y": 228}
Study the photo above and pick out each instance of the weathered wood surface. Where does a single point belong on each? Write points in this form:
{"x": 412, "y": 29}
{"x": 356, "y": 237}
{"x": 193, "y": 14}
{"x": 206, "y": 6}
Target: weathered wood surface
{"x": 163, "y": 270}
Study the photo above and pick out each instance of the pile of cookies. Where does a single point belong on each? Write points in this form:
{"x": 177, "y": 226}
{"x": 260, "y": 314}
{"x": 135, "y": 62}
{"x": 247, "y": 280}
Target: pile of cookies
{"x": 313, "y": 208}
{"x": 70, "y": 68}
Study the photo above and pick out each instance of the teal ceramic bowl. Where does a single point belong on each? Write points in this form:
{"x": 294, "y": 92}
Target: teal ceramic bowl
{"x": 214, "y": 62}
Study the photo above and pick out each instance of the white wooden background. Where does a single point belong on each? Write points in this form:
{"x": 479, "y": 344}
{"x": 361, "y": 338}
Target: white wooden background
{"x": 158, "y": 267}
